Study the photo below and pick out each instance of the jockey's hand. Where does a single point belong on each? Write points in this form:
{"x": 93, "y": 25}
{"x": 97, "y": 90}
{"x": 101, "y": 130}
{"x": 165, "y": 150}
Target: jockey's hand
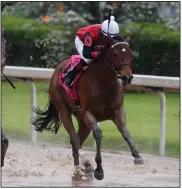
{"x": 102, "y": 51}
{"x": 98, "y": 47}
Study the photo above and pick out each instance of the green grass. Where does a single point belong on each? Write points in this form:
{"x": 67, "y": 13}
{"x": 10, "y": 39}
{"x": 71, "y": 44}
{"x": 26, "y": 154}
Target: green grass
{"x": 142, "y": 113}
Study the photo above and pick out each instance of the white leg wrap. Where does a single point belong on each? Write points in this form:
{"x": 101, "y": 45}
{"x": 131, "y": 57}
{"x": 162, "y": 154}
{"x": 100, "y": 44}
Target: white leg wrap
{"x": 77, "y": 167}
{"x": 81, "y": 152}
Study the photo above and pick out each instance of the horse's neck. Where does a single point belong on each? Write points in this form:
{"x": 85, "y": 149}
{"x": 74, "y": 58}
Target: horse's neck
{"x": 103, "y": 78}
{"x": 101, "y": 84}
{"x": 106, "y": 71}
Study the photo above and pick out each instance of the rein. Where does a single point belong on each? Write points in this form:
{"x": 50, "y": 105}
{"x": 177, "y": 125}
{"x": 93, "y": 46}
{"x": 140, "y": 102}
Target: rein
{"x": 112, "y": 68}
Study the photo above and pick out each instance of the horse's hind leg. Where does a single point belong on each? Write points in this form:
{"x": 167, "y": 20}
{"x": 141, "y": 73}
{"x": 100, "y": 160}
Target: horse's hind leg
{"x": 120, "y": 121}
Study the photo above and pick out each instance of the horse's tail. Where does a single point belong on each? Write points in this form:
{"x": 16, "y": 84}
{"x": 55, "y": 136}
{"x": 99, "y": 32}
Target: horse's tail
{"x": 47, "y": 120}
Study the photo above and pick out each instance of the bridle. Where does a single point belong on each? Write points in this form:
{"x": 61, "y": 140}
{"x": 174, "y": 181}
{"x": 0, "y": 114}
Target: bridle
{"x": 118, "y": 44}
{"x": 112, "y": 67}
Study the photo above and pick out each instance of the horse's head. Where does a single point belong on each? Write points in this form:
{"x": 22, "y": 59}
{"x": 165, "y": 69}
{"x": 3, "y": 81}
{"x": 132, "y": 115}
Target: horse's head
{"x": 119, "y": 58}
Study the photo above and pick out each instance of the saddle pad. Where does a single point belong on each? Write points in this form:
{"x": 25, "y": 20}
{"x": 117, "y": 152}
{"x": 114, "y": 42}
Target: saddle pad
{"x": 71, "y": 92}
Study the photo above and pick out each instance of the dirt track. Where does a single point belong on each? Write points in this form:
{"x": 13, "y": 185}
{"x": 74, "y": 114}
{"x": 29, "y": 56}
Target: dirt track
{"x": 49, "y": 165}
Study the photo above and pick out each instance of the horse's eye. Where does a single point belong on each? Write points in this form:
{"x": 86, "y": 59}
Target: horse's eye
{"x": 123, "y": 49}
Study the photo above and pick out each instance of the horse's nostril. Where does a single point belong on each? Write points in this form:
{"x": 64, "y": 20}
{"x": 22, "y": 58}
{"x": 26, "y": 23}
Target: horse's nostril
{"x": 124, "y": 78}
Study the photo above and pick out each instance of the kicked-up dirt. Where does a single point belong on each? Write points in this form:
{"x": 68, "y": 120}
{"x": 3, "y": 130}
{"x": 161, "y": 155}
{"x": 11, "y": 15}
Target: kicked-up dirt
{"x": 51, "y": 165}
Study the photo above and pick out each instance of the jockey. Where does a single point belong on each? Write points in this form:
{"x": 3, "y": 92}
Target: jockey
{"x": 87, "y": 38}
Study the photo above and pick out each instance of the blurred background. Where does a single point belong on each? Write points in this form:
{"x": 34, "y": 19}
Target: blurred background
{"x": 41, "y": 34}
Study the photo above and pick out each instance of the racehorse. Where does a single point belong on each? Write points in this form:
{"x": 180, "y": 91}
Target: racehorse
{"x": 101, "y": 93}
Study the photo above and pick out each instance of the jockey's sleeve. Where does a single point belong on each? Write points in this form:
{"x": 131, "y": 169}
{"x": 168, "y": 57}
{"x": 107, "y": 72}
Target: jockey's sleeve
{"x": 87, "y": 48}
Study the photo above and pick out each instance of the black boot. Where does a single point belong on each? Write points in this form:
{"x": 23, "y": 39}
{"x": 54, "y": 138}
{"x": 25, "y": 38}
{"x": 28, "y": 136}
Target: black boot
{"x": 70, "y": 76}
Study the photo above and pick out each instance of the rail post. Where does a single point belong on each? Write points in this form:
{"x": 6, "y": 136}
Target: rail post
{"x": 33, "y": 105}
{"x": 162, "y": 123}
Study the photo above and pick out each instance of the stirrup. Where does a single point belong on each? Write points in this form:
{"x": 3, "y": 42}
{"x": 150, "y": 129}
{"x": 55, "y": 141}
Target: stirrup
{"x": 68, "y": 81}
{"x": 70, "y": 84}
{"x": 77, "y": 103}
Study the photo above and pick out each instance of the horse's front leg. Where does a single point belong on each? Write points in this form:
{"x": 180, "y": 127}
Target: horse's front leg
{"x": 65, "y": 116}
{"x": 83, "y": 133}
{"x": 120, "y": 121}
{"x": 78, "y": 172}
{"x": 97, "y": 133}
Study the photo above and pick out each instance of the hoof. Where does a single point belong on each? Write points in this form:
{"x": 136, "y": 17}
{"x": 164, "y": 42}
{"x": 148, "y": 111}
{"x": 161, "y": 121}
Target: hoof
{"x": 138, "y": 161}
{"x": 99, "y": 174}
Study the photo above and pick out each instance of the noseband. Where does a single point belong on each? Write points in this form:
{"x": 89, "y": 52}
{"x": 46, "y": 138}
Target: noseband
{"x": 113, "y": 67}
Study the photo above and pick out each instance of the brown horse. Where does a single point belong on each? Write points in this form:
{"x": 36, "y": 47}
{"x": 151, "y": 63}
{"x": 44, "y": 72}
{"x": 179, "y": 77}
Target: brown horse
{"x": 100, "y": 90}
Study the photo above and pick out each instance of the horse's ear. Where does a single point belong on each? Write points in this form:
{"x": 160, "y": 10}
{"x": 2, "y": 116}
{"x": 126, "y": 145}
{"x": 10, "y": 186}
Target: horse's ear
{"x": 128, "y": 40}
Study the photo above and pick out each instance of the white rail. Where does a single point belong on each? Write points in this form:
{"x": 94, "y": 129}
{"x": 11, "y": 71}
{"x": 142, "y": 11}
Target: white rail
{"x": 141, "y": 80}
{"x": 46, "y": 73}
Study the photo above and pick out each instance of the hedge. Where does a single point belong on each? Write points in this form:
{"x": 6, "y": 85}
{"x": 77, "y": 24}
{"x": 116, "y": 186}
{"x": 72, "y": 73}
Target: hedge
{"x": 21, "y": 35}
{"x": 156, "y": 48}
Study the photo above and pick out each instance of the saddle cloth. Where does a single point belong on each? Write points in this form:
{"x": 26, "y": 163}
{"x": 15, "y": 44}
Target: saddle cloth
{"x": 71, "y": 92}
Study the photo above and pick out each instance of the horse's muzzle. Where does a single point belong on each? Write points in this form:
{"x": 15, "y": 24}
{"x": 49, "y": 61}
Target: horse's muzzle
{"x": 126, "y": 79}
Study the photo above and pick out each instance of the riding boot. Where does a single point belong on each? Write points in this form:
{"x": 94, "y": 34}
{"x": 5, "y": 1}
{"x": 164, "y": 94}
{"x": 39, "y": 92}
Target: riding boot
{"x": 70, "y": 75}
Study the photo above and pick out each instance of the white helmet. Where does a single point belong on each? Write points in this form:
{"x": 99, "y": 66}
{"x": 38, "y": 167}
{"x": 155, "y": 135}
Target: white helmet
{"x": 113, "y": 27}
